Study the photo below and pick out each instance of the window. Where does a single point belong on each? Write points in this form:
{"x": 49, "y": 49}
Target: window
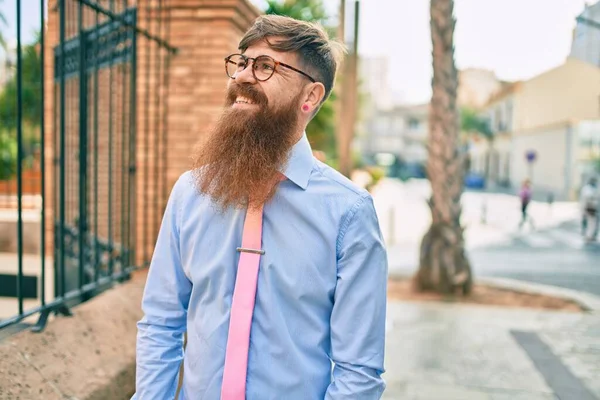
{"x": 413, "y": 123}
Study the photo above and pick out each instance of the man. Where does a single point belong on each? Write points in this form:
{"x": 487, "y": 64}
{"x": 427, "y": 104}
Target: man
{"x": 309, "y": 322}
{"x": 589, "y": 200}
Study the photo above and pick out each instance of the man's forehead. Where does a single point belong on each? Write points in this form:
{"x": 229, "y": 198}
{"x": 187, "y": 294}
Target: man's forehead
{"x": 262, "y": 48}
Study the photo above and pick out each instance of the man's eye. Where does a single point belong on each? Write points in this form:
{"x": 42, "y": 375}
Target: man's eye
{"x": 266, "y": 67}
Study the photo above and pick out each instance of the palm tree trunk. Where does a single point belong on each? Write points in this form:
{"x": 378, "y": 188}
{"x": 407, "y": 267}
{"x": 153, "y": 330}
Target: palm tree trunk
{"x": 444, "y": 266}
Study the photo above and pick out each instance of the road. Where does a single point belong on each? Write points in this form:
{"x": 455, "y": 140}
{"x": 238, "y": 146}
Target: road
{"x": 553, "y": 253}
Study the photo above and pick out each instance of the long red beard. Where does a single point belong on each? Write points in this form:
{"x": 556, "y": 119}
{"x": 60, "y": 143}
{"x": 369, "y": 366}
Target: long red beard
{"x": 238, "y": 162}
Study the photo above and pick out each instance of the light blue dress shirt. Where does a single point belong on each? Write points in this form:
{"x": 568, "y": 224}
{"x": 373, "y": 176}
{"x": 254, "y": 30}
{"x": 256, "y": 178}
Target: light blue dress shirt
{"x": 318, "y": 328}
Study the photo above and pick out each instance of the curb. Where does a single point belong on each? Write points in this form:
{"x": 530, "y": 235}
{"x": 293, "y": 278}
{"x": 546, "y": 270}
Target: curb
{"x": 587, "y": 301}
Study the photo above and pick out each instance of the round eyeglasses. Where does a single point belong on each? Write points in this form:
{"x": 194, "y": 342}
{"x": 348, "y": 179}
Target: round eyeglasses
{"x": 263, "y": 67}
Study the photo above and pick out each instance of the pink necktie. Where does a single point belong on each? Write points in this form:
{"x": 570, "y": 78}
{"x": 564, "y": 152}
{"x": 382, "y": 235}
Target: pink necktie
{"x": 242, "y": 307}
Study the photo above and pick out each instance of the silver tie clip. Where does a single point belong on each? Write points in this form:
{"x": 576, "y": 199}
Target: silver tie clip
{"x": 253, "y": 251}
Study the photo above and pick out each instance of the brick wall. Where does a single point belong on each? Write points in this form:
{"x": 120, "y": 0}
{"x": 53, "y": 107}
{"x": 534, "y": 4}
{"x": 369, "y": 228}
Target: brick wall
{"x": 170, "y": 118}
{"x": 204, "y": 32}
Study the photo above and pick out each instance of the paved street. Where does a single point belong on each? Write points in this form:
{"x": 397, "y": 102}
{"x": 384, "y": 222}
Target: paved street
{"x": 438, "y": 351}
{"x": 553, "y": 253}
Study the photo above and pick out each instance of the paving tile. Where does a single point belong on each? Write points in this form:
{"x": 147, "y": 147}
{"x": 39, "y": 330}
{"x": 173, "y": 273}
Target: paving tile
{"x": 447, "y": 351}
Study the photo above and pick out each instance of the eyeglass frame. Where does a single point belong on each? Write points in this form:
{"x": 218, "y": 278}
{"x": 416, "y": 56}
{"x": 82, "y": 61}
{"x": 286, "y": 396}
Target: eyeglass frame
{"x": 277, "y": 64}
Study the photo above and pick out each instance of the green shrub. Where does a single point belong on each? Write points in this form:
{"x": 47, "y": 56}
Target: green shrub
{"x": 8, "y": 156}
{"x": 377, "y": 173}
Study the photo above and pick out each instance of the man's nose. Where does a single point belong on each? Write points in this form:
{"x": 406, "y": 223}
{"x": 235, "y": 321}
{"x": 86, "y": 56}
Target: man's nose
{"x": 246, "y": 75}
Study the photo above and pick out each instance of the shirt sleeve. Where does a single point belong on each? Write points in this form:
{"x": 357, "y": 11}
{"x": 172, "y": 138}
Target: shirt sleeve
{"x": 159, "y": 349}
{"x": 358, "y": 316}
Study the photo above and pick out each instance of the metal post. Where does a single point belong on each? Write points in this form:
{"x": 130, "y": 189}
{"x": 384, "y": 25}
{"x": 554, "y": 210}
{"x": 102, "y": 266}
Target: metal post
{"x": 43, "y": 157}
{"x": 349, "y": 100}
{"x": 83, "y": 154}
{"x": 146, "y": 147}
{"x": 122, "y": 171}
{"x": 157, "y": 133}
{"x": 61, "y": 179}
{"x": 131, "y": 210}
{"x": 19, "y": 162}
{"x": 95, "y": 130}
{"x": 110, "y": 154}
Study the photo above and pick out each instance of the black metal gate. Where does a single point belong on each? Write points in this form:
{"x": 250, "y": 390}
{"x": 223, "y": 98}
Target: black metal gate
{"x": 96, "y": 194}
{"x": 95, "y": 118}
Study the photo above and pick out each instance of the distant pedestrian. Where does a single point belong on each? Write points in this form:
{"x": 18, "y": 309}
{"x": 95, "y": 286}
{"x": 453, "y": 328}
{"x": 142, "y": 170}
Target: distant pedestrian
{"x": 525, "y": 196}
{"x": 589, "y": 201}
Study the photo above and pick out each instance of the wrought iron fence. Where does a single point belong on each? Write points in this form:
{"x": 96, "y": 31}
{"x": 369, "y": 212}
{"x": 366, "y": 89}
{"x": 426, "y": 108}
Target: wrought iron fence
{"x": 72, "y": 188}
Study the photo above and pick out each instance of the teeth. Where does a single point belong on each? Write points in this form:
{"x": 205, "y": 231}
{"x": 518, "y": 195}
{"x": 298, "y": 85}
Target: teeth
{"x": 243, "y": 100}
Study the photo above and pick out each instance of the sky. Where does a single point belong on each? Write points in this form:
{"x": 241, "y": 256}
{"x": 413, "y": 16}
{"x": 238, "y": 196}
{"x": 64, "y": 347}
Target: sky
{"x": 517, "y": 39}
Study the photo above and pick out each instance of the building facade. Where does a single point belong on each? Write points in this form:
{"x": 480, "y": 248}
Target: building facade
{"x": 586, "y": 36}
{"x": 492, "y": 158}
{"x": 397, "y": 139}
{"x": 374, "y": 82}
{"x": 475, "y": 86}
{"x": 553, "y": 116}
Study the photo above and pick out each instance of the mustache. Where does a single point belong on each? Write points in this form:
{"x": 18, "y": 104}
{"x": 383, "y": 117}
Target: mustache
{"x": 247, "y": 91}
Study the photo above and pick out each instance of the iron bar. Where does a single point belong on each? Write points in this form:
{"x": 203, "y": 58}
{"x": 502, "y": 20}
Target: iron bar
{"x": 131, "y": 209}
{"x": 110, "y": 156}
{"x": 122, "y": 173}
{"x": 110, "y": 13}
{"x": 96, "y": 154}
{"x": 62, "y": 191}
{"x": 82, "y": 219}
{"x": 157, "y": 132}
{"x": 19, "y": 162}
{"x": 73, "y": 294}
{"x": 42, "y": 157}
{"x": 165, "y": 193}
{"x": 146, "y": 142}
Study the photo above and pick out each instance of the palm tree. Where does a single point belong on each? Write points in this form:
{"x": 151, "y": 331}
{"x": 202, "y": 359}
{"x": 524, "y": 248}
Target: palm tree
{"x": 444, "y": 266}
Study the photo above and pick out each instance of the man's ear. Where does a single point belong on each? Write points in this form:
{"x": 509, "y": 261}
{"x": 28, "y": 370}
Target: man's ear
{"x": 314, "y": 96}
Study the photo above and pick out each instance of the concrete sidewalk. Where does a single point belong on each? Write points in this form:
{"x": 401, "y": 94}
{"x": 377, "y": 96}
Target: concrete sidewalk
{"x": 439, "y": 351}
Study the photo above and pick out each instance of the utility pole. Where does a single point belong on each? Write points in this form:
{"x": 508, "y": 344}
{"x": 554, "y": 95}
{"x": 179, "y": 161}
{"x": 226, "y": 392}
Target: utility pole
{"x": 349, "y": 97}
{"x": 338, "y": 105}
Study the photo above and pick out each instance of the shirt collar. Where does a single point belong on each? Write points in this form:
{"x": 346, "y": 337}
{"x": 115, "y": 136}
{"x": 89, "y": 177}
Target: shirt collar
{"x": 300, "y": 163}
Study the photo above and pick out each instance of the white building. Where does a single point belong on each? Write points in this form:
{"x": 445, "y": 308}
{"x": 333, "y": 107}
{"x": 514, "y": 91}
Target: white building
{"x": 492, "y": 159}
{"x": 397, "y": 136}
{"x": 475, "y": 86}
{"x": 374, "y": 82}
{"x": 586, "y": 35}
{"x": 555, "y": 115}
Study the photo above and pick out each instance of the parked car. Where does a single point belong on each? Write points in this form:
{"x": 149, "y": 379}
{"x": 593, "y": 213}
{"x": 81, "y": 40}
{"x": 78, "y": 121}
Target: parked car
{"x": 474, "y": 181}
